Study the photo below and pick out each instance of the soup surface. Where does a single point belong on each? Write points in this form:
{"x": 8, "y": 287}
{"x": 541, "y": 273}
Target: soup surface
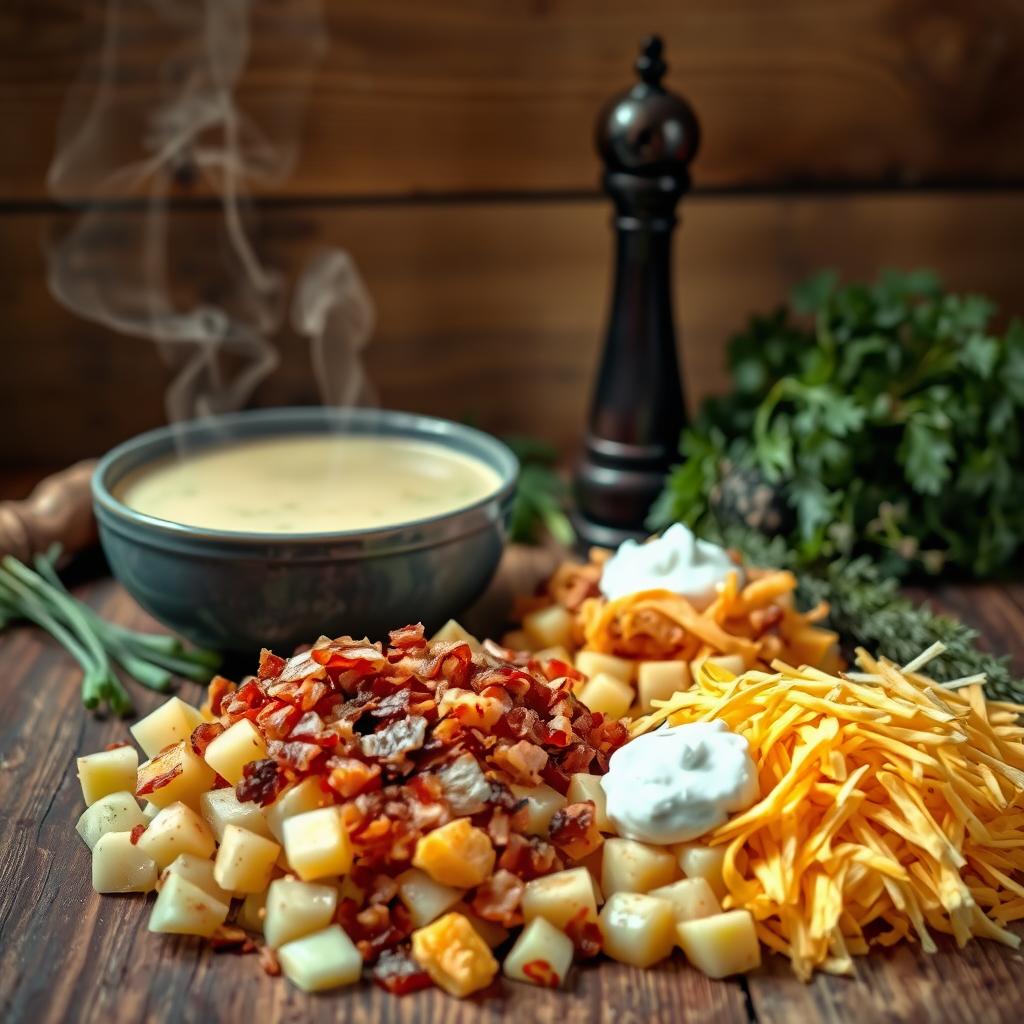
{"x": 308, "y": 483}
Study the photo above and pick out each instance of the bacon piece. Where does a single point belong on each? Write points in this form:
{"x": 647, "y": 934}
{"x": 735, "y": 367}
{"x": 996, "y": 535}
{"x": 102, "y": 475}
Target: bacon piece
{"x": 524, "y": 761}
{"x": 357, "y": 656}
{"x": 161, "y": 779}
{"x": 349, "y": 776}
{"x": 408, "y": 638}
{"x": 203, "y": 735}
{"x": 574, "y": 831}
{"x": 529, "y": 857}
{"x": 271, "y": 665}
{"x": 229, "y": 938}
{"x": 498, "y": 898}
{"x": 218, "y": 690}
{"x": 277, "y": 719}
{"x": 269, "y": 962}
{"x": 585, "y": 934}
{"x": 261, "y": 782}
{"x": 395, "y": 741}
{"x": 136, "y": 834}
{"x": 396, "y": 972}
{"x": 294, "y": 754}
{"x": 541, "y": 973}
{"x": 116, "y": 745}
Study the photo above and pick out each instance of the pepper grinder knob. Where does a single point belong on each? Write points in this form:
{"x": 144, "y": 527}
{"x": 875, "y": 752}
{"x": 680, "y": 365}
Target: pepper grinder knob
{"x": 647, "y": 138}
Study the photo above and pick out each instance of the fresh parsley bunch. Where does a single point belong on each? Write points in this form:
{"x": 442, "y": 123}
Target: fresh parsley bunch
{"x": 881, "y": 419}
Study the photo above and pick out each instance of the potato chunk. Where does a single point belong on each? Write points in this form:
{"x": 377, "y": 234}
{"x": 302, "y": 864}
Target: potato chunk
{"x": 629, "y": 866}
{"x": 172, "y": 722}
{"x": 722, "y": 944}
{"x": 595, "y": 663}
{"x": 199, "y": 872}
{"x": 177, "y": 773}
{"x": 307, "y": 795}
{"x": 425, "y": 899}
{"x": 456, "y": 854}
{"x": 176, "y": 829}
{"x": 295, "y": 908}
{"x": 637, "y": 929}
{"x": 326, "y": 959}
{"x": 245, "y": 861}
{"x": 659, "y": 680}
{"x": 588, "y": 787}
{"x": 549, "y": 627}
{"x": 453, "y": 630}
{"x": 454, "y": 955}
{"x": 115, "y": 812}
{"x": 317, "y": 844}
{"x": 691, "y": 898}
{"x": 106, "y": 772}
{"x": 607, "y": 695}
{"x": 490, "y": 931}
{"x": 183, "y": 908}
{"x": 118, "y": 865}
{"x": 699, "y": 861}
{"x": 471, "y": 708}
{"x": 541, "y": 803}
{"x": 561, "y": 898}
{"x": 252, "y": 911}
{"x": 220, "y": 808}
{"x": 542, "y": 955}
{"x": 234, "y": 748}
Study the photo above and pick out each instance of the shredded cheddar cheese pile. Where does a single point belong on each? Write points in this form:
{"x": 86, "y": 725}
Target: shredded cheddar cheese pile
{"x": 891, "y": 807}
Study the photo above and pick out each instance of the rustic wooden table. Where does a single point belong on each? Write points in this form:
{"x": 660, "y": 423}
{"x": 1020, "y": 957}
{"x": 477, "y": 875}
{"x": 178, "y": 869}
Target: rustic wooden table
{"x": 67, "y": 954}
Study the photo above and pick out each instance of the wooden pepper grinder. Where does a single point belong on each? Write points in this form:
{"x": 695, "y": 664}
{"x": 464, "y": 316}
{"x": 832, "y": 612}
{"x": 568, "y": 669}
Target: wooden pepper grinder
{"x": 647, "y": 138}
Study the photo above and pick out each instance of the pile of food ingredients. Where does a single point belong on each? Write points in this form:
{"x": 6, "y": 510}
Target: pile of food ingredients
{"x": 666, "y": 756}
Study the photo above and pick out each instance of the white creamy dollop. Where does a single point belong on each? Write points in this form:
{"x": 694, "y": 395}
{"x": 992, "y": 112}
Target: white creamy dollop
{"x": 675, "y": 561}
{"x": 678, "y": 782}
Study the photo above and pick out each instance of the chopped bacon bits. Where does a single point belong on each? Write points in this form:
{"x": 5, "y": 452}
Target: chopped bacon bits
{"x": 136, "y": 834}
{"x": 396, "y": 972}
{"x": 574, "y": 830}
{"x": 159, "y": 779}
{"x": 116, "y": 745}
{"x": 541, "y": 973}
{"x": 218, "y": 690}
{"x": 261, "y": 782}
{"x": 499, "y": 897}
{"x": 203, "y": 735}
{"x": 269, "y": 962}
{"x": 271, "y": 665}
{"x": 585, "y": 934}
{"x": 229, "y": 938}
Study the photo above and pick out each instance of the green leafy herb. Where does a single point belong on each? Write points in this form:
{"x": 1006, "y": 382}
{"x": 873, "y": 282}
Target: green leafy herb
{"x": 884, "y": 419}
{"x": 97, "y": 645}
{"x": 541, "y": 493}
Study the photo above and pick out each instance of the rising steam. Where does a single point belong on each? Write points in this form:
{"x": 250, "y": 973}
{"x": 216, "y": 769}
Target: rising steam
{"x": 130, "y": 130}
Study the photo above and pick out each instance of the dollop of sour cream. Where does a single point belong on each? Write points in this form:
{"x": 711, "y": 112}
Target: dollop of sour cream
{"x": 675, "y": 561}
{"x": 678, "y": 782}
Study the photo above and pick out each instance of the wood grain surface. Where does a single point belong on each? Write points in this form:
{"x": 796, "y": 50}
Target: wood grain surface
{"x": 488, "y": 311}
{"x": 501, "y": 95}
{"x": 69, "y": 955}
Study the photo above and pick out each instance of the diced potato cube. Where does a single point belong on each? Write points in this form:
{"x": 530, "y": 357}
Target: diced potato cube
{"x": 183, "y": 908}
{"x": 245, "y": 861}
{"x": 295, "y": 908}
{"x": 252, "y": 911}
{"x": 517, "y": 640}
{"x": 453, "y": 630}
{"x": 659, "y": 680}
{"x": 115, "y": 812}
{"x": 732, "y": 663}
{"x": 592, "y": 862}
{"x": 699, "y": 861}
{"x": 221, "y": 807}
{"x": 690, "y": 898}
{"x": 541, "y": 803}
{"x": 596, "y": 663}
{"x": 549, "y": 627}
{"x": 574, "y": 830}
{"x": 176, "y": 829}
{"x": 722, "y": 944}
{"x": 118, "y": 865}
{"x": 172, "y": 722}
{"x": 471, "y": 708}
{"x": 325, "y": 959}
{"x": 558, "y": 652}
{"x": 457, "y": 854}
{"x": 629, "y": 866}
{"x": 490, "y": 931}
{"x": 588, "y": 787}
{"x": 606, "y": 694}
{"x": 317, "y": 844}
{"x": 424, "y": 898}
{"x": 562, "y": 898}
{"x": 106, "y": 772}
{"x": 306, "y": 795}
{"x": 234, "y": 748}
{"x": 198, "y": 871}
{"x": 178, "y": 774}
{"x": 637, "y": 929}
{"x": 542, "y": 955}
{"x": 454, "y": 955}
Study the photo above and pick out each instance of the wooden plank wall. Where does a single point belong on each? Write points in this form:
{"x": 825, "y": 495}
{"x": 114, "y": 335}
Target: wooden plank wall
{"x": 448, "y": 147}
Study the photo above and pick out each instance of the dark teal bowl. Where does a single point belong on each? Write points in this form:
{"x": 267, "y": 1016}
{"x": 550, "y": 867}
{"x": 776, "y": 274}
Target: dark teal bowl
{"x": 238, "y": 592}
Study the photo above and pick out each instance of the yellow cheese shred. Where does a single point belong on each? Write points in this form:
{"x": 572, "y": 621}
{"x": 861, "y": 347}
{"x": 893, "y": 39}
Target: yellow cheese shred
{"x": 890, "y": 808}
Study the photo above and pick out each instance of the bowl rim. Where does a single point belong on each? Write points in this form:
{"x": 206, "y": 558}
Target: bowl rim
{"x": 312, "y": 419}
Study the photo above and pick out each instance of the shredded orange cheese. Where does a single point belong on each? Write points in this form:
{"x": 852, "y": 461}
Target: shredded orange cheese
{"x": 890, "y": 807}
